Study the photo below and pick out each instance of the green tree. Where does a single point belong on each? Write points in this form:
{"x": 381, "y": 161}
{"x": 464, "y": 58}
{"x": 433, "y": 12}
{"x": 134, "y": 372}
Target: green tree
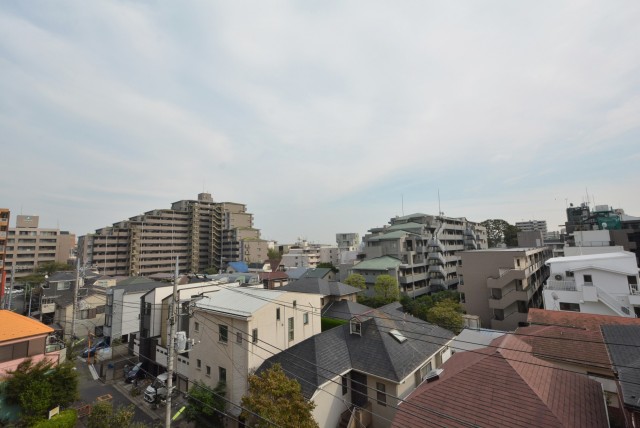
{"x": 356, "y": 280}
{"x": 273, "y": 254}
{"x": 39, "y": 387}
{"x": 212, "y": 270}
{"x": 276, "y": 399}
{"x": 386, "y": 288}
{"x": 500, "y": 232}
{"x": 206, "y": 407}
{"x": 47, "y": 268}
{"x": 446, "y": 314}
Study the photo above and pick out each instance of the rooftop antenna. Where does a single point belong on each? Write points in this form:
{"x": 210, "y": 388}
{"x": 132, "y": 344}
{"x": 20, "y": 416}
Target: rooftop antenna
{"x": 402, "y": 196}
{"x": 439, "y": 209}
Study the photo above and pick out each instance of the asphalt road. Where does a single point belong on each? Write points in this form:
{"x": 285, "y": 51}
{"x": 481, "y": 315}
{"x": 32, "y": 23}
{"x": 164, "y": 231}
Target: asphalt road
{"x": 91, "y": 390}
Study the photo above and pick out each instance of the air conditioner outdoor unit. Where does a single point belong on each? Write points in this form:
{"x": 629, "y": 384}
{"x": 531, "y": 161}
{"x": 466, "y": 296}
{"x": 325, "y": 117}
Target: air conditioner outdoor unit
{"x": 558, "y": 277}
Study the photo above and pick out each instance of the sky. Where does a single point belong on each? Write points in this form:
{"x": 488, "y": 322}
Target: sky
{"x": 323, "y": 117}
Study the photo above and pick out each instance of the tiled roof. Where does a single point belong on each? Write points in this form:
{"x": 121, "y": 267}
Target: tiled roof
{"x": 504, "y": 386}
{"x": 272, "y": 275}
{"x": 15, "y": 326}
{"x": 379, "y": 263}
{"x": 316, "y": 273}
{"x": 623, "y": 343}
{"x": 62, "y": 276}
{"x": 320, "y": 358}
{"x": 591, "y": 322}
{"x": 297, "y": 272}
{"x": 320, "y": 286}
{"x": 344, "y": 310}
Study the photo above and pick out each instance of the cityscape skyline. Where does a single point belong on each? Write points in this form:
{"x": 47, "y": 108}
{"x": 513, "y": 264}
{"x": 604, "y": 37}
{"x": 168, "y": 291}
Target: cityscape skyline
{"x": 322, "y": 118}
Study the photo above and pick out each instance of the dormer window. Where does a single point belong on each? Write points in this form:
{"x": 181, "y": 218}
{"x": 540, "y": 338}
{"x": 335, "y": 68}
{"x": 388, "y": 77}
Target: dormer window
{"x": 355, "y": 327}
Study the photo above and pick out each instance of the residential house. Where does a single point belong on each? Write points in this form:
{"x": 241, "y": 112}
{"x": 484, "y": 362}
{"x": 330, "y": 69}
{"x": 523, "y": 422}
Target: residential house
{"x": 237, "y": 267}
{"x": 150, "y": 344}
{"x": 575, "y": 341}
{"x": 323, "y": 273}
{"x": 273, "y": 280}
{"x": 236, "y": 329}
{"x": 26, "y": 338}
{"x": 331, "y": 291}
{"x": 500, "y": 285}
{"x": 504, "y": 385}
{"x": 375, "y": 361}
{"x": 122, "y": 308}
{"x": 596, "y": 283}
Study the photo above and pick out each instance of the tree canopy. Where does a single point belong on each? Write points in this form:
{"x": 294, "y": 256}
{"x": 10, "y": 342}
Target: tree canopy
{"x": 442, "y": 309}
{"x": 500, "y": 232}
{"x": 205, "y": 407}
{"x": 39, "y": 387}
{"x": 103, "y": 415}
{"x": 273, "y": 398}
{"x": 386, "y": 288}
{"x": 356, "y": 280}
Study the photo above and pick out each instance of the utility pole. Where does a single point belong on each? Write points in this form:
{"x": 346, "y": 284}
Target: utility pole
{"x": 75, "y": 301}
{"x": 13, "y": 271}
{"x": 173, "y": 315}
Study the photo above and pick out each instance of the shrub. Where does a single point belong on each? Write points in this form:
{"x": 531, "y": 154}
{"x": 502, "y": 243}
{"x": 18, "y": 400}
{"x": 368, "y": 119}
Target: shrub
{"x": 64, "y": 419}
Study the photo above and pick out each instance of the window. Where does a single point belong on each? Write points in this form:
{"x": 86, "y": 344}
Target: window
{"x": 147, "y": 308}
{"x": 587, "y": 278}
{"x": 291, "y": 335}
{"x": 381, "y": 394}
{"x": 277, "y": 314}
{"x": 305, "y": 318}
{"x": 574, "y": 307}
{"x": 223, "y": 333}
{"x": 295, "y": 303}
{"x": 222, "y": 374}
{"x": 238, "y": 337}
{"x": 100, "y": 309}
{"x": 208, "y": 371}
{"x": 345, "y": 385}
{"x": 633, "y": 284}
{"x": 254, "y": 336}
{"x": 196, "y": 326}
{"x": 198, "y": 364}
{"x": 64, "y": 285}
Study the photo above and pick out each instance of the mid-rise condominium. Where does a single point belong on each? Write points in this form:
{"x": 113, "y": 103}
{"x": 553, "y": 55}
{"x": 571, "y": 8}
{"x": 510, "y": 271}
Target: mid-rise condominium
{"x": 202, "y": 233}
{"x": 420, "y": 250}
{"x": 29, "y": 245}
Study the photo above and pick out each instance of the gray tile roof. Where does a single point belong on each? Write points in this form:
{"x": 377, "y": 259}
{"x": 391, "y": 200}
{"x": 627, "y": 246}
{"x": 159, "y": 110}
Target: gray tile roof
{"x": 375, "y": 352}
{"x": 623, "y": 344}
{"x": 137, "y": 284}
{"x": 320, "y": 286}
{"x": 316, "y": 273}
{"x": 344, "y": 309}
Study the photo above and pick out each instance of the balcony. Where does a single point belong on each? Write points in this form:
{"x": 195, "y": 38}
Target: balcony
{"x": 437, "y": 258}
{"x": 506, "y": 276}
{"x": 437, "y": 270}
{"x": 566, "y": 285}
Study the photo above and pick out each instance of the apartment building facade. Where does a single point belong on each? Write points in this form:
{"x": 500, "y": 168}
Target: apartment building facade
{"x": 237, "y": 329}
{"x": 426, "y": 247}
{"x": 605, "y": 284}
{"x": 202, "y": 233}
{"x": 500, "y": 285}
{"x": 4, "y": 232}
{"x": 28, "y": 245}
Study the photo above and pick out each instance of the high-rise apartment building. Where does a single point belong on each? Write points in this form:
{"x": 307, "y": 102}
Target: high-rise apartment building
{"x": 29, "y": 245}
{"x": 202, "y": 233}
{"x": 420, "y": 250}
{"x": 4, "y": 231}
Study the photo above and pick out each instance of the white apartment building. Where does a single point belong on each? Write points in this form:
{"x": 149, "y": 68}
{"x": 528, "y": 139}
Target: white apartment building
{"x": 605, "y": 284}
{"x": 236, "y": 329}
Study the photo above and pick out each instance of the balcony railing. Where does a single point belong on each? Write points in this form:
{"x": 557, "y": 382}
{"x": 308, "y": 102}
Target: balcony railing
{"x": 565, "y": 285}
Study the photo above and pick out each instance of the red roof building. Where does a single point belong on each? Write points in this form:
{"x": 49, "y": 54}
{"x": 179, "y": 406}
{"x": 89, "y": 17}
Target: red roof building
{"x": 504, "y": 385}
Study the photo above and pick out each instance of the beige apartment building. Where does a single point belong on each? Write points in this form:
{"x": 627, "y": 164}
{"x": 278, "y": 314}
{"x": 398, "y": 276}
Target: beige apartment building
{"x": 202, "y": 233}
{"x": 500, "y": 285}
{"x": 28, "y": 245}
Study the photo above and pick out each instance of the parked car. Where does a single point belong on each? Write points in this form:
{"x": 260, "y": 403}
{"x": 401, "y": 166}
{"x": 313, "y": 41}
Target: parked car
{"x": 134, "y": 373}
{"x": 91, "y": 351}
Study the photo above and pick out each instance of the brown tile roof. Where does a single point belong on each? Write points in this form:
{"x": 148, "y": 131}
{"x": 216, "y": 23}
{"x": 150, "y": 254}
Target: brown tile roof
{"x": 14, "y": 326}
{"x": 591, "y": 322}
{"x": 551, "y": 329}
{"x": 504, "y": 386}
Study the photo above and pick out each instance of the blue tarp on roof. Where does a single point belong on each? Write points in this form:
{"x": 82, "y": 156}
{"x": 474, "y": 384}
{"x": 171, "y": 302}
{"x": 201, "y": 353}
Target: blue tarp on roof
{"x": 240, "y": 267}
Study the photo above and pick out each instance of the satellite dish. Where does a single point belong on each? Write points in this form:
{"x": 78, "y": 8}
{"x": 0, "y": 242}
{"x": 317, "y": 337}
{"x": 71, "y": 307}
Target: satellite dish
{"x": 554, "y": 295}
